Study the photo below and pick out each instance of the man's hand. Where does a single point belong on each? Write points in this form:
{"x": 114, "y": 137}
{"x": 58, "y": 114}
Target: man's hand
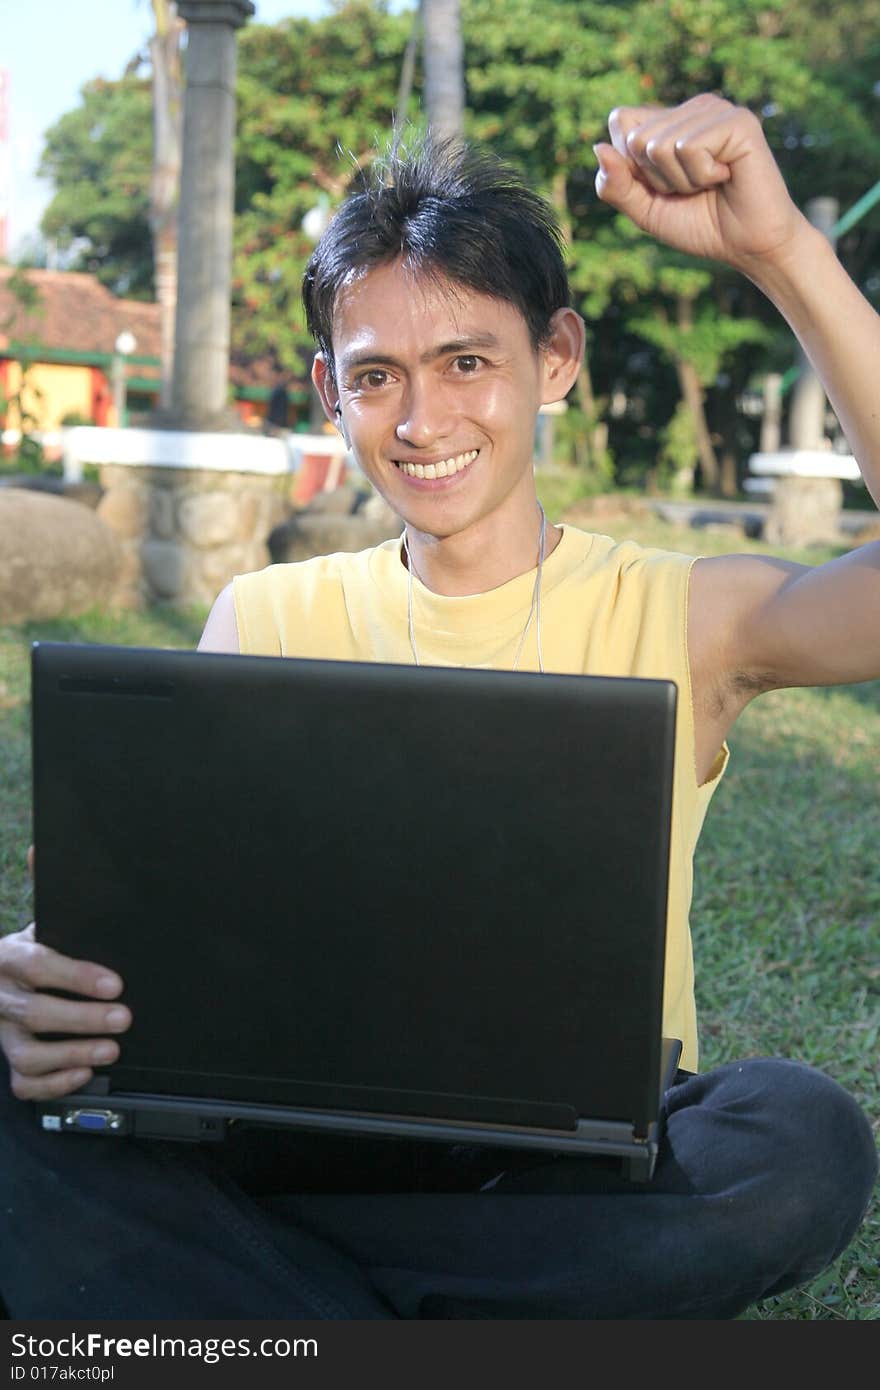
{"x": 702, "y": 178}
{"x": 46, "y": 1070}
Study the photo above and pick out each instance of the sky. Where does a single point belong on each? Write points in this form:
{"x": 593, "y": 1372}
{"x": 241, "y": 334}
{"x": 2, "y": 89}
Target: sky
{"x": 48, "y": 50}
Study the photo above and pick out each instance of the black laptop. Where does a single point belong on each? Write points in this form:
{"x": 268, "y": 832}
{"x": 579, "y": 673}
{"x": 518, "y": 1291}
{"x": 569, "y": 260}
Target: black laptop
{"x": 363, "y": 898}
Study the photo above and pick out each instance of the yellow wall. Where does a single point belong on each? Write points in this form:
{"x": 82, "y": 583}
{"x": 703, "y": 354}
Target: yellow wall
{"x": 64, "y": 389}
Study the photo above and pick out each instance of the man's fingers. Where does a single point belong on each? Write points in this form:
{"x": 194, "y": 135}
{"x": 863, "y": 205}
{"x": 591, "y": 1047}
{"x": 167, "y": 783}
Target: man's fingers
{"x": 43, "y": 1013}
{"x": 674, "y": 149}
{"x": 60, "y": 1083}
{"x": 701, "y": 167}
{"x": 30, "y": 1058}
{"x": 35, "y": 966}
{"x": 645, "y": 141}
{"x": 623, "y": 119}
{"x": 615, "y": 184}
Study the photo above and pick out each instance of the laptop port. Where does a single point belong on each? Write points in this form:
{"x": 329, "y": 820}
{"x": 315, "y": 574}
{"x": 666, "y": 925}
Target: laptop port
{"x": 93, "y": 1121}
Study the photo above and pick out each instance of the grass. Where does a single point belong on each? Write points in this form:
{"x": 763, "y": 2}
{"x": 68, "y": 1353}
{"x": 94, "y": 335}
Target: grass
{"x": 787, "y": 889}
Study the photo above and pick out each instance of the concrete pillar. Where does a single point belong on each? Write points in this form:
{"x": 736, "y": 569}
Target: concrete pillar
{"x": 771, "y": 422}
{"x": 806, "y": 425}
{"x": 443, "y": 67}
{"x": 201, "y": 339}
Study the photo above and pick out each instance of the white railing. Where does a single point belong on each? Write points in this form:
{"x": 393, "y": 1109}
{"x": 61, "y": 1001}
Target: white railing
{"x": 236, "y": 453}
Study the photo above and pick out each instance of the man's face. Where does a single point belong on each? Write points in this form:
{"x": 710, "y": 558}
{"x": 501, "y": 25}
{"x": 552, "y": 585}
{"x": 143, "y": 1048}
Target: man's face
{"x": 439, "y": 389}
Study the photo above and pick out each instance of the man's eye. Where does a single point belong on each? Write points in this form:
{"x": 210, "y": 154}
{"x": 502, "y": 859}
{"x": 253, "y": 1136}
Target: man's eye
{"x": 467, "y": 364}
{"x": 373, "y": 378}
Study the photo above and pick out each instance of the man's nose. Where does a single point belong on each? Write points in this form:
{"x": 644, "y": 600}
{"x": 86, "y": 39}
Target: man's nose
{"x": 425, "y": 416}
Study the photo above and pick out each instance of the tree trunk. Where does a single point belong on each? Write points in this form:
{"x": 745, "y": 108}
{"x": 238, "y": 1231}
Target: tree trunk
{"x": 407, "y": 73}
{"x": 729, "y": 479}
{"x": 692, "y": 392}
{"x": 444, "y": 67}
{"x": 594, "y": 441}
{"x": 165, "y": 183}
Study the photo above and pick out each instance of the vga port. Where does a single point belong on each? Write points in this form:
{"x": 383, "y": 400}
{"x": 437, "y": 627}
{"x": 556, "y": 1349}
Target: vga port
{"x": 93, "y": 1121}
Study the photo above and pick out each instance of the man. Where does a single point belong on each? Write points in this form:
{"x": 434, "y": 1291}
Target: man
{"x": 440, "y": 307}
{"x": 276, "y": 421}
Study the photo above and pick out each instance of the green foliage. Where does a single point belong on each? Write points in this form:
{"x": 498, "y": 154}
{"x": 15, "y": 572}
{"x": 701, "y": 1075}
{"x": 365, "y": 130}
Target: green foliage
{"x": 678, "y": 454}
{"x": 570, "y": 432}
{"x": 29, "y": 456}
{"x": 23, "y": 406}
{"x": 316, "y": 99}
{"x": 98, "y": 157}
{"x": 25, "y": 295}
{"x": 76, "y": 417}
{"x": 705, "y": 343}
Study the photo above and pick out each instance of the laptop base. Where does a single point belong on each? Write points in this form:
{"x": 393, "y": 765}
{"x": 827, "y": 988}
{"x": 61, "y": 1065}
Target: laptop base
{"x": 183, "y": 1118}
{"x": 94, "y": 1110}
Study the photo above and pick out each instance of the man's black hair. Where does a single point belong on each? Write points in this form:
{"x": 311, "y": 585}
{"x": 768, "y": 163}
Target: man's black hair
{"x": 447, "y": 210}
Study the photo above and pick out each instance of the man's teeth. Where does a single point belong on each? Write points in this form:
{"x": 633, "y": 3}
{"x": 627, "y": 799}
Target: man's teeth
{"x": 444, "y": 469}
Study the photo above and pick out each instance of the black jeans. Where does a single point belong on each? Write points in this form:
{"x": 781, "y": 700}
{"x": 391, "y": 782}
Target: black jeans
{"x": 763, "y": 1179}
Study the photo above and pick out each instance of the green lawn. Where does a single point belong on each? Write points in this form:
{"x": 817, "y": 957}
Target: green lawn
{"x": 787, "y": 894}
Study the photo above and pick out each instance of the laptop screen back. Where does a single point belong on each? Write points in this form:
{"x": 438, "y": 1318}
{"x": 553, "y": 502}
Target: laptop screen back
{"x": 362, "y": 885}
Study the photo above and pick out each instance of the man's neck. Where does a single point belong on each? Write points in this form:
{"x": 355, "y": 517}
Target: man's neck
{"x": 479, "y": 559}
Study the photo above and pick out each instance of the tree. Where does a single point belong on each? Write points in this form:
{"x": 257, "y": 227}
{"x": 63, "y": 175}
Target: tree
{"x": 758, "y": 53}
{"x": 98, "y": 157}
{"x": 672, "y": 343}
{"x": 316, "y": 101}
{"x": 697, "y": 344}
{"x": 167, "y": 103}
{"x": 23, "y": 404}
{"x": 541, "y": 83}
{"x": 444, "y": 67}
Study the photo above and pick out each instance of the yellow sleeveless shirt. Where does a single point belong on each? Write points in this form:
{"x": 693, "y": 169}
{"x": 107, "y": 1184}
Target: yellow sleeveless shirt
{"x": 607, "y": 608}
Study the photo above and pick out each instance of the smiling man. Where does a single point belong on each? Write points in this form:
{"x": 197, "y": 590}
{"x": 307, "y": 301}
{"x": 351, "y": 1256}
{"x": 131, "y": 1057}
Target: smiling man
{"x": 439, "y": 302}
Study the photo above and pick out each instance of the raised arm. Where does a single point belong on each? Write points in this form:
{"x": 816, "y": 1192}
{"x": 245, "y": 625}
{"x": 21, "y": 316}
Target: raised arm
{"x": 702, "y": 178}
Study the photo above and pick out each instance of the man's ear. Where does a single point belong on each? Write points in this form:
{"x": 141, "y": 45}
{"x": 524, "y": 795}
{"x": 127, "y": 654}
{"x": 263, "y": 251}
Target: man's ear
{"x": 562, "y": 355}
{"x": 325, "y": 385}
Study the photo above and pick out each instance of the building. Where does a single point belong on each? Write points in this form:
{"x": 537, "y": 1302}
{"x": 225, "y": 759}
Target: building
{"x": 56, "y": 359}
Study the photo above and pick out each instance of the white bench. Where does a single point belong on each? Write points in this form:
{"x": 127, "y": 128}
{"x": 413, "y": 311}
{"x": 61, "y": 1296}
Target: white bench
{"x": 807, "y": 493}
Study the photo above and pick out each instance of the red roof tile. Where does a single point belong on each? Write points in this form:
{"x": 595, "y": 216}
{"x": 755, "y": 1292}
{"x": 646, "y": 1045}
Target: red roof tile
{"x": 75, "y": 312}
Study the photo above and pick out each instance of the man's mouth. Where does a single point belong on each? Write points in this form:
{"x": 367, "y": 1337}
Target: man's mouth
{"x": 442, "y": 468}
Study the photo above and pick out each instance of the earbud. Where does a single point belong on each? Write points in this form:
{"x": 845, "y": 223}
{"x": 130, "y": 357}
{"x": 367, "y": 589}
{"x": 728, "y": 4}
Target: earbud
{"x": 337, "y": 411}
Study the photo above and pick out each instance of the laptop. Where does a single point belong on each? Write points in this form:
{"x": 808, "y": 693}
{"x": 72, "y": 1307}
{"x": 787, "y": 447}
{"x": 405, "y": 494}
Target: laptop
{"x": 361, "y": 898}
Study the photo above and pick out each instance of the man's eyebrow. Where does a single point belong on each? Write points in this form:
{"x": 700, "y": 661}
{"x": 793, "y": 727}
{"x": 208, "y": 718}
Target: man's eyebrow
{"x": 462, "y": 345}
{"x": 349, "y": 361}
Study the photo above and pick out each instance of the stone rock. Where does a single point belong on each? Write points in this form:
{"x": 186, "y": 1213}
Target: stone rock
{"x": 307, "y": 533}
{"x": 164, "y": 565}
{"x": 272, "y": 511}
{"x": 213, "y": 569}
{"x": 804, "y": 511}
{"x": 161, "y": 513}
{"x": 57, "y": 558}
{"x": 375, "y": 509}
{"x": 125, "y": 510}
{"x": 209, "y": 518}
{"x": 246, "y": 516}
{"x": 340, "y": 501}
{"x": 88, "y": 493}
{"x": 868, "y": 533}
